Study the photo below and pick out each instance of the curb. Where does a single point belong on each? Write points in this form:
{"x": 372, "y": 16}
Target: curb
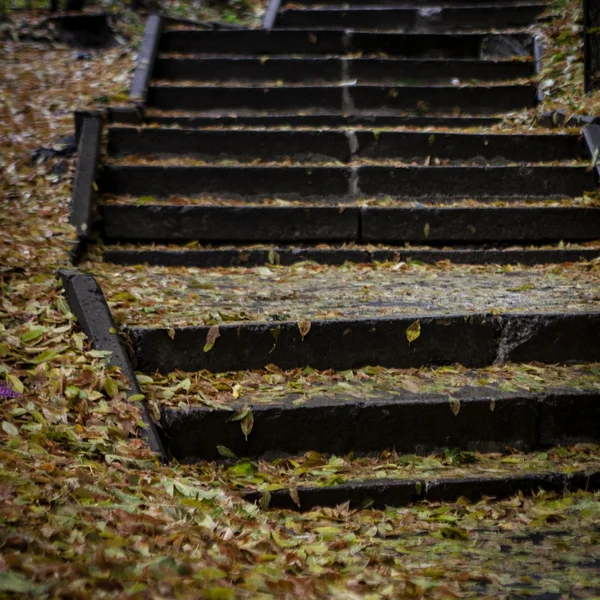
{"x": 146, "y": 58}
{"x": 82, "y": 198}
{"x": 87, "y": 302}
{"x": 271, "y": 14}
{"x": 591, "y": 134}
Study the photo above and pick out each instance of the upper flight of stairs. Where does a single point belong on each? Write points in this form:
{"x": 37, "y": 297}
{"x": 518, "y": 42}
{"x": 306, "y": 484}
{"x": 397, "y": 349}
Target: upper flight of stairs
{"x": 362, "y": 133}
{"x": 308, "y": 133}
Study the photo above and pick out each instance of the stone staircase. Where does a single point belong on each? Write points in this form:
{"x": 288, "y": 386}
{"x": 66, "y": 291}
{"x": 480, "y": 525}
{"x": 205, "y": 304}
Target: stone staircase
{"x": 363, "y": 134}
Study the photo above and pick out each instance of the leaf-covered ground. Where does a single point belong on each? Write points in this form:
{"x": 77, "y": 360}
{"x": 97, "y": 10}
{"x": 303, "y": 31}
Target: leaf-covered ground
{"x": 87, "y": 512}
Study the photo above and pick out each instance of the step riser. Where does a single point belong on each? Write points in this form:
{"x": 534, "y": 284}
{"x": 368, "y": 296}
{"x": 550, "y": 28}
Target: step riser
{"x": 327, "y": 224}
{"x": 343, "y": 146}
{"x": 208, "y": 259}
{"x": 260, "y": 42}
{"x": 344, "y": 99}
{"x": 341, "y": 182}
{"x": 236, "y": 224}
{"x": 480, "y": 225}
{"x": 410, "y": 19}
{"x": 474, "y": 341}
{"x": 333, "y": 69}
{"x": 403, "y": 422}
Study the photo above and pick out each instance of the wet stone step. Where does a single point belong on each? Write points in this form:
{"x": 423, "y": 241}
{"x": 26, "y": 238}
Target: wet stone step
{"x": 343, "y": 145}
{"x": 414, "y": 19}
{"x": 345, "y": 98}
{"x": 349, "y": 224}
{"x": 519, "y": 405}
{"x": 171, "y": 297}
{"x": 253, "y": 256}
{"x": 348, "y": 182}
{"x": 382, "y": 494}
{"x": 471, "y": 340}
{"x": 301, "y": 42}
{"x": 363, "y": 70}
{"x": 307, "y": 387}
{"x": 389, "y": 420}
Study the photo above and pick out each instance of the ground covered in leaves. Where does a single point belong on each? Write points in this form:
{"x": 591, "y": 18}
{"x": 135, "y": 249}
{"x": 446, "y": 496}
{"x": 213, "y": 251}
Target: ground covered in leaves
{"x": 87, "y": 512}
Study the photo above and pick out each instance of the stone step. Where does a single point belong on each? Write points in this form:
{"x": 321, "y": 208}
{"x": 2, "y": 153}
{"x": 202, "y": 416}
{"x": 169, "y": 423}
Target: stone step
{"x": 338, "y": 182}
{"x": 440, "y": 19}
{"x": 170, "y": 297}
{"x": 250, "y": 42}
{"x": 471, "y": 340}
{"x": 253, "y": 256}
{"x": 330, "y": 69}
{"x": 475, "y": 99}
{"x": 344, "y": 145}
{"x": 383, "y": 493}
{"x": 345, "y": 98}
{"x": 392, "y": 225}
{"x": 362, "y": 420}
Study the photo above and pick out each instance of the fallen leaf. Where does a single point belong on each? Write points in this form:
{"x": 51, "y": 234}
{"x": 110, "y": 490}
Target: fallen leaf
{"x": 225, "y": 452}
{"x": 304, "y": 327}
{"x": 294, "y": 496}
{"x": 265, "y": 500}
{"x": 454, "y": 405}
{"x": 211, "y": 338}
{"x": 9, "y": 428}
{"x": 247, "y": 424}
{"x": 111, "y": 387}
{"x": 413, "y": 331}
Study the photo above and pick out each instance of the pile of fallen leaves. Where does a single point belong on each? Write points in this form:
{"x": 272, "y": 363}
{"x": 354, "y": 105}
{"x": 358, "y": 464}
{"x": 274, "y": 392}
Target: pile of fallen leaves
{"x": 87, "y": 512}
{"x": 563, "y": 71}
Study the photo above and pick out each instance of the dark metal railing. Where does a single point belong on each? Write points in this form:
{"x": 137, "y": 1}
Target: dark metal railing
{"x": 591, "y": 44}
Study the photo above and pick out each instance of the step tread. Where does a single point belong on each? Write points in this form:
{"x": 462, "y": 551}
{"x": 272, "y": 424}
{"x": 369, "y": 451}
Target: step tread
{"x": 208, "y": 201}
{"x": 196, "y": 255}
{"x": 182, "y": 297}
{"x": 274, "y": 387}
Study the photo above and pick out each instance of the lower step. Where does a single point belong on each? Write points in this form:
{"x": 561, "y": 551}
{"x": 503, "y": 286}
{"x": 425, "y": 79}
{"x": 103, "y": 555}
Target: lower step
{"x": 340, "y": 181}
{"x": 345, "y": 145}
{"x": 473, "y": 340}
{"x": 345, "y": 98}
{"x": 381, "y": 493}
{"x": 207, "y": 258}
{"x": 348, "y": 224}
{"x": 474, "y": 419}
{"x": 334, "y": 69}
